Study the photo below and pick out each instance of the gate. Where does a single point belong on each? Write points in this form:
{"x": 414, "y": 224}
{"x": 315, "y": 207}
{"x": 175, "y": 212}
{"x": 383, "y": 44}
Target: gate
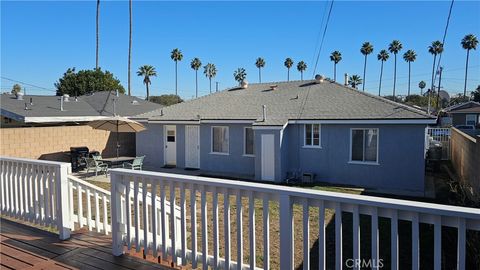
{"x": 442, "y": 135}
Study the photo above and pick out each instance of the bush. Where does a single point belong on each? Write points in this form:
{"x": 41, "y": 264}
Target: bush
{"x": 166, "y": 100}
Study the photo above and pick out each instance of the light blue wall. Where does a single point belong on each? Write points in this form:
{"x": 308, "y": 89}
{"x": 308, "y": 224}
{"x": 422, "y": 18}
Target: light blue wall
{"x": 401, "y": 157}
{"x": 150, "y": 143}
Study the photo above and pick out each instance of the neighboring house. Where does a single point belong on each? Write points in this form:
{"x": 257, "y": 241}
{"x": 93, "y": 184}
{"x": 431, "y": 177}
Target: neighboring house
{"x": 273, "y": 132}
{"x": 36, "y": 110}
{"x": 467, "y": 113}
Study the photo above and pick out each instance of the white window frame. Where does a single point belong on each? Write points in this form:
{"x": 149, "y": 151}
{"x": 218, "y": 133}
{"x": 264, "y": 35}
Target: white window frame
{"x": 305, "y": 145}
{"x": 351, "y": 141}
{"x": 474, "y": 119}
{"x": 245, "y": 142}
{"x": 228, "y": 141}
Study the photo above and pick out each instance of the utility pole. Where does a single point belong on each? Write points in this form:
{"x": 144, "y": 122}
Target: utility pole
{"x": 429, "y": 101}
{"x": 438, "y": 92}
{"x": 216, "y": 86}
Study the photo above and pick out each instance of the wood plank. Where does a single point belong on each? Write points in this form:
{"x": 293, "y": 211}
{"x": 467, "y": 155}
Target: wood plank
{"x": 21, "y": 255}
{"x": 11, "y": 262}
{"x": 35, "y": 250}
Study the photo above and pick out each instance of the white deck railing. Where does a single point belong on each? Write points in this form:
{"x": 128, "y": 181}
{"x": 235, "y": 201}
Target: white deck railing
{"x": 148, "y": 230}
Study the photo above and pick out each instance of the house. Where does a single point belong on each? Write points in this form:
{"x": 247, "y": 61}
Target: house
{"x": 464, "y": 114}
{"x": 324, "y": 131}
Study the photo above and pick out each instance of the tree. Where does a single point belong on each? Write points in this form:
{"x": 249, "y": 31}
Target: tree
{"x": 469, "y": 42}
{"x": 87, "y": 81}
{"x": 335, "y": 57}
{"x": 16, "y": 89}
{"x": 301, "y": 66}
{"x": 176, "y": 56}
{"x": 476, "y": 94}
{"x": 409, "y": 57}
{"x": 97, "y": 34}
{"x": 130, "y": 48}
{"x": 417, "y": 100}
{"x": 240, "y": 75}
{"x": 210, "y": 72}
{"x": 395, "y": 47}
{"x": 147, "y": 71}
{"x": 382, "y": 56}
{"x": 195, "y": 65}
{"x": 166, "y": 100}
{"x": 435, "y": 49}
{"x": 457, "y": 99}
{"x": 367, "y": 48}
{"x": 422, "y": 85}
{"x": 260, "y": 63}
{"x": 288, "y": 64}
{"x": 354, "y": 81}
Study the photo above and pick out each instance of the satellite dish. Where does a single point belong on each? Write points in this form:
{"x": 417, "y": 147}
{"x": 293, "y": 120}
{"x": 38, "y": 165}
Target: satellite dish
{"x": 444, "y": 95}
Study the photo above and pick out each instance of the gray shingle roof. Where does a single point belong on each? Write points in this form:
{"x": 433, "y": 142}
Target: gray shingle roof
{"x": 98, "y": 104}
{"x": 295, "y": 100}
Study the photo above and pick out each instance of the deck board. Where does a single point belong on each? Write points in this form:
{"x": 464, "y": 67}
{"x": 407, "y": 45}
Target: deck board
{"x": 26, "y": 247}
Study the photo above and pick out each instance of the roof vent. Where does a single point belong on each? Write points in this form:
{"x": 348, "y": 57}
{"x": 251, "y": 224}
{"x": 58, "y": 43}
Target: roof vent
{"x": 346, "y": 79}
{"x": 31, "y": 101}
{"x": 273, "y": 86}
{"x": 19, "y": 95}
{"x": 66, "y": 98}
{"x": 244, "y": 84}
{"x": 319, "y": 78}
{"x": 264, "y": 107}
{"x": 134, "y": 102}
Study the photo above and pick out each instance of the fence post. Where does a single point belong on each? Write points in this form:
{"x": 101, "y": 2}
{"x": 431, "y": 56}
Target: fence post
{"x": 63, "y": 207}
{"x": 286, "y": 232}
{"x": 117, "y": 189}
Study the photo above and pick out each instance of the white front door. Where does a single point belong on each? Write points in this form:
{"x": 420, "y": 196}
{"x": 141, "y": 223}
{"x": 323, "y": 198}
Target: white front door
{"x": 170, "y": 145}
{"x": 268, "y": 157}
{"x": 192, "y": 147}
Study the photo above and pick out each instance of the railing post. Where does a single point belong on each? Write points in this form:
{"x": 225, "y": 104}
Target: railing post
{"x": 64, "y": 222}
{"x": 117, "y": 188}
{"x": 286, "y": 232}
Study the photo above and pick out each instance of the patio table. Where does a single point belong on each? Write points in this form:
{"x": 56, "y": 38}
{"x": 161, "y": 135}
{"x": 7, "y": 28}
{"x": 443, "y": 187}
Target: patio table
{"x": 116, "y": 161}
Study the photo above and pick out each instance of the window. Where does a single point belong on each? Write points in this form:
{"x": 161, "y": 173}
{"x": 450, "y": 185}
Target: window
{"x": 220, "y": 140}
{"x": 364, "y": 145}
{"x": 312, "y": 135}
{"x": 471, "y": 120}
{"x": 170, "y": 135}
{"x": 248, "y": 141}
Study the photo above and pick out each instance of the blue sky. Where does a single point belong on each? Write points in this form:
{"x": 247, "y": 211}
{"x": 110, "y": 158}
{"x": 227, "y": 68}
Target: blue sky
{"x": 40, "y": 40}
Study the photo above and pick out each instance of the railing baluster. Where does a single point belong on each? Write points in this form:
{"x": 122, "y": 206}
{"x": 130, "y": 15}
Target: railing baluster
{"x": 36, "y": 200}
{"x": 164, "y": 220}
{"x": 204, "y": 229}
{"x": 415, "y": 242}
{"x": 128, "y": 215}
{"x": 136, "y": 214}
{"x": 226, "y": 221}
{"x": 321, "y": 236}
{"x": 286, "y": 232}
{"x": 154, "y": 218}
{"x": 145, "y": 215}
{"x": 44, "y": 199}
{"x": 338, "y": 236}
{"x": 437, "y": 243}
{"x": 173, "y": 228}
{"x": 461, "y": 244}
{"x": 266, "y": 232}
{"x": 239, "y": 230}
{"x": 80, "y": 205}
{"x": 71, "y": 205}
{"x": 251, "y": 211}
{"x": 51, "y": 187}
{"x": 375, "y": 252}
{"x": 22, "y": 192}
{"x": 14, "y": 190}
{"x": 193, "y": 212}
{"x": 215, "y": 229}
{"x": 2, "y": 187}
{"x": 30, "y": 192}
{"x": 97, "y": 212}
{"x": 306, "y": 236}
{"x": 394, "y": 239}
{"x": 183, "y": 221}
{"x": 89, "y": 209}
{"x": 105, "y": 215}
{"x": 356, "y": 236}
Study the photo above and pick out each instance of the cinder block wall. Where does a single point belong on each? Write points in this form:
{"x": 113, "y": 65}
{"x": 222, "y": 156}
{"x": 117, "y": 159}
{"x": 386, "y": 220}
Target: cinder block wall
{"x": 53, "y": 143}
{"x": 466, "y": 157}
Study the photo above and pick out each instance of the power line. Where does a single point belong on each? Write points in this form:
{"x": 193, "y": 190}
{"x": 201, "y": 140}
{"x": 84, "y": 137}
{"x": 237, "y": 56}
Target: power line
{"x": 29, "y": 84}
{"x": 443, "y": 40}
{"x": 317, "y": 41}
{"x": 323, "y": 38}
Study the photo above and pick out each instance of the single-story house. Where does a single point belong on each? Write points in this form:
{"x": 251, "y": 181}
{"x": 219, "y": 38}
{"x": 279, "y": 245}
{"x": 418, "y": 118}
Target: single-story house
{"x": 320, "y": 131}
{"x": 464, "y": 114}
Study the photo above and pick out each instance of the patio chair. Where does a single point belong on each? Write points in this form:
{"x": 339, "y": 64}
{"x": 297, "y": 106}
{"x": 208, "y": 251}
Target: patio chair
{"x": 136, "y": 164}
{"x": 96, "y": 165}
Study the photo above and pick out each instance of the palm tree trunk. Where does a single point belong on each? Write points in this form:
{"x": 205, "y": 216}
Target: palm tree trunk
{"x": 210, "y": 85}
{"x": 394, "y": 76}
{"x": 334, "y": 71}
{"x": 196, "y": 83}
{"x": 301, "y": 75}
{"x": 97, "y": 22}
{"x": 148, "y": 92}
{"x": 381, "y": 74}
{"x": 176, "y": 80}
{"x": 288, "y": 74}
{"x": 409, "y": 69}
{"x": 438, "y": 92}
{"x": 130, "y": 49}
{"x": 364, "y": 71}
{"x": 466, "y": 71}
{"x": 433, "y": 72}
{"x": 259, "y": 75}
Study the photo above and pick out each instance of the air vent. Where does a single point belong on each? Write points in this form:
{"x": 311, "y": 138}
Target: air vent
{"x": 319, "y": 78}
{"x": 273, "y": 86}
{"x": 134, "y": 102}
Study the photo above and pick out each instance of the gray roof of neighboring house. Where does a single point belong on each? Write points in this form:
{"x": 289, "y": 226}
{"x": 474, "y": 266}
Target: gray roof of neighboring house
{"x": 97, "y": 104}
{"x": 466, "y": 107}
{"x": 295, "y": 100}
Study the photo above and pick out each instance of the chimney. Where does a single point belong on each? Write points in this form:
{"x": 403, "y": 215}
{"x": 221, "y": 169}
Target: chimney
{"x": 264, "y": 112}
{"x": 66, "y": 98}
{"x": 116, "y": 92}
{"x": 346, "y": 79}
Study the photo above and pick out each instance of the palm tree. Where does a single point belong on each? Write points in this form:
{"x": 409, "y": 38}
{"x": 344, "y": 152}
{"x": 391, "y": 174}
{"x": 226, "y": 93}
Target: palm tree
{"x": 421, "y": 85}
{"x": 354, "y": 81}
{"x": 469, "y": 42}
{"x": 130, "y": 49}
{"x": 260, "y": 63}
{"x": 382, "y": 56}
{"x": 301, "y": 66}
{"x": 240, "y": 75}
{"x": 395, "y": 47}
{"x": 97, "y": 36}
{"x": 210, "y": 72}
{"x": 409, "y": 57}
{"x": 195, "y": 65}
{"x": 435, "y": 49}
{"x": 335, "y": 57}
{"x": 176, "y": 56}
{"x": 147, "y": 71}
{"x": 288, "y": 64}
{"x": 367, "y": 48}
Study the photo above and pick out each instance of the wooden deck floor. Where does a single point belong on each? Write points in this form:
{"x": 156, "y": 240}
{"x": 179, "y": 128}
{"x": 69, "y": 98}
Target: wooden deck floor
{"x": 25, "y": 247}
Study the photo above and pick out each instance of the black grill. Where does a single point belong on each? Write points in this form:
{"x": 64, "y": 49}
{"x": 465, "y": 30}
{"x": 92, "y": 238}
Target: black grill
{"x": 76, "y": 157}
